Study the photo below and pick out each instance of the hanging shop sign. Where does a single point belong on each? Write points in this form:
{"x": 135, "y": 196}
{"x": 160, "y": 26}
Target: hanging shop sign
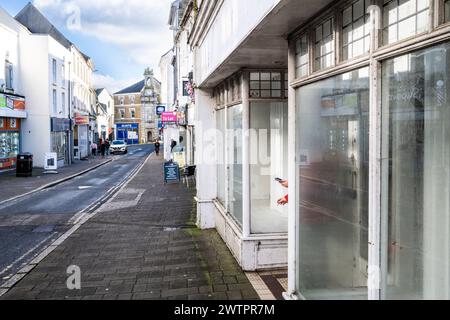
{"x": 169, "y": 117}
{"x": 60, "y": 125}
{"x": 160, "y": 110}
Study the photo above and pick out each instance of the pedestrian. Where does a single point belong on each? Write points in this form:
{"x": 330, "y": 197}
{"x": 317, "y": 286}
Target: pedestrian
{"x": 157, "y": 147}
{"x": 107, "y": 145}
{"x": 94, "y": 148}
{"x": 173, "y": 144}
{"x": 285, "y": 200}
{"x": 103, "y": 148}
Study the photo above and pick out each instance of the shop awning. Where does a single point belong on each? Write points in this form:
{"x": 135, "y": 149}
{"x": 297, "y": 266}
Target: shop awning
{"x": 266, "y": 45}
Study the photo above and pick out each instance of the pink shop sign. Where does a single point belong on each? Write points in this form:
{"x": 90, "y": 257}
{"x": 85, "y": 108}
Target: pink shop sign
{"x": 169, "y": 117}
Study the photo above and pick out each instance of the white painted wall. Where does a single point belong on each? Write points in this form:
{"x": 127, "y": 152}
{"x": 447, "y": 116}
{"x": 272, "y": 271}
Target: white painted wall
{"x": 234, "y": 21}
{"x": 36, "y": 54}
{"x": 9, "y": 48}
{"x": 167, "y": 79}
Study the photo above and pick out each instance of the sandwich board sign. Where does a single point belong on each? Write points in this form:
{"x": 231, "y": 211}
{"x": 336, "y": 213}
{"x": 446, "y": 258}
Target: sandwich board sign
{"x": 171, "y": 172}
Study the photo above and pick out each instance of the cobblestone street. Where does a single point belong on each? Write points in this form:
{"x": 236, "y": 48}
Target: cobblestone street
{"x": 143, "y": 244}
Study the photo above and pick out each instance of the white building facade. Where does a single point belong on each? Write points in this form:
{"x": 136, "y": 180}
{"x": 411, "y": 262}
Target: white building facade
{"x": 348, "y": 101}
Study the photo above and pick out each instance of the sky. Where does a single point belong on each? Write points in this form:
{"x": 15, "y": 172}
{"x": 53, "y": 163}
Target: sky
{"x": 123, "y": 37}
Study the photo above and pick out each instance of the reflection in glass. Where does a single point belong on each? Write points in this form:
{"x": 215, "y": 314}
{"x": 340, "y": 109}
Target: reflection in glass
{"x": 333, "y": 164}
{"x": 234, "y": 161}
{"x": 268, "y": 159}
{"x": 220, "y": 142}
{"x": 416, "y": 175}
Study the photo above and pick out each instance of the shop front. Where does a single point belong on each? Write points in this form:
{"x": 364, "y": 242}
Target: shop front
{"x": 81, "y": 136}
{"x": 128, "y": 132}
{"x": 12, "y": 113}
{"x": 60, "y": 133}
{"x": 370, "y": 211}
{"x": 252, "y": 141}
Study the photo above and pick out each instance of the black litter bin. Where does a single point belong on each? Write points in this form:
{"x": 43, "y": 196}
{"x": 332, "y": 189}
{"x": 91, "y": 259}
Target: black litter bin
{"x": 24, "y": 166}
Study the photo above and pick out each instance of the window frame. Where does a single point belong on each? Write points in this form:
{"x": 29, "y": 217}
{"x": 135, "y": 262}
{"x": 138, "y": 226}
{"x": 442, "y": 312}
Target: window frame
{"x": 122, "y": 113}
{"x": 416, "y": 13}
{"x": 342, "y": 26}
{"x": 54, "y": 71}
{"x": 332, "y": 19}
{"x": 55, "y": 102}
{"x": 9, "y": 75}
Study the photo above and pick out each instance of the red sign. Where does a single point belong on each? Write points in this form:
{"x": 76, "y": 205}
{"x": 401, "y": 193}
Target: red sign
{"x": 169, "y": 117}
{"x": 81, "y": 120}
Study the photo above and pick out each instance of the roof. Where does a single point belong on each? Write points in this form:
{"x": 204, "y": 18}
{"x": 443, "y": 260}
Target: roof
{"x": 37, "y": 23}
{"x": 135, "y": 88}
{"x": 99, "y": 91}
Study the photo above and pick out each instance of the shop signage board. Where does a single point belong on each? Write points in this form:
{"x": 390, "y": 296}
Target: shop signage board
{"x": 81, "y": 120}
{"x": 180, "y": 159}
{"x": 160, "y": 110}
{"x": 2, "y": 101}
{"x": 169, "y": 117}
{"x": 51, "y": 161}
{"x": 171, "y": 172}
{"x": 12, "y": 102}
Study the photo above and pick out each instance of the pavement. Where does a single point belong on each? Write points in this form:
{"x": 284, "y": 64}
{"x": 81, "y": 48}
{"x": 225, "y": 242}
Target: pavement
{"x": 141, "y": 244}
{"x": 31, "y": 223}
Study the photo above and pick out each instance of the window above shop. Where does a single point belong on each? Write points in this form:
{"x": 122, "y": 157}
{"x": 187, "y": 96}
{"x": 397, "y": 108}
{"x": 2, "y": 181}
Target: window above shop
{"x": 404, "y": 18}
{"x": 302, "y": 56}
{"x": 355, "y": 30}
{"x": 9, "y": 75}
{"x": 324, "y": 45}
{"x": 122, "y": 113}
{"x": 266, "y": 84}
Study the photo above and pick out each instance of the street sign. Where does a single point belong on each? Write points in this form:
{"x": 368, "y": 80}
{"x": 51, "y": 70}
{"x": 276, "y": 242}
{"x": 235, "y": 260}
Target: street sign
{"x": 160, "y": 110}
{"x": 171, "y": 172}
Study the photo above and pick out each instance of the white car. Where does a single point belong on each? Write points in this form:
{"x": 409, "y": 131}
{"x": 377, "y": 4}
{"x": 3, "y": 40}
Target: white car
{"x": 118, "y": 146}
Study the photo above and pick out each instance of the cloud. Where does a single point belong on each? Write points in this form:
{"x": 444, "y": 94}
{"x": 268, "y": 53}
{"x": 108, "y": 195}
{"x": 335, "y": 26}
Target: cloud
{"x": 139, "y": 28}
{"x": 113, "y": 85}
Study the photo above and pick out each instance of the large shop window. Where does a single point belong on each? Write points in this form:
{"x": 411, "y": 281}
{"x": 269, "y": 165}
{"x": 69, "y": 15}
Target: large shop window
{"x": 268, "y": 160}
{"x": 404, "y": 18}
{"x": 220, "y": 142}
{"x": 356, "y": 30}
{"x": 416, "y": 175}
{"x": 9, "y": 143}
{"x": 58, "y": 140}
{"x": 234, "y": 161}
{"x": 333, "y": 149}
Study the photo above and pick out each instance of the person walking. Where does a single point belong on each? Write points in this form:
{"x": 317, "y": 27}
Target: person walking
{"x": 157, "y": 147}
{"x": 103, "y": 149}
{"x": 107, "y": 146}
{"x": 94, "y": 149}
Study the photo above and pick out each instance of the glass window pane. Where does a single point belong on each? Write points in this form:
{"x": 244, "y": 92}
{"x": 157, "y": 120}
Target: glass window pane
{"x": 268, "y": 154}
{"x": 358, "y": 9}
{"x": 333, "y": 155}
{"x": 447, "y": 11}
{"x": 318, "y": 33}
{"x": 406, "y": 8}
{"x": 255, "y": 94}
{"x": 254, "y": 85}
{"x": 265, "y": 93}
{"x": 276, "y": 93}
{"x": 234, "y": 151}
{"x": 406, "y": 28}
{"x": 358, "y": 29}
{"x": 347, "y": 35}
{"x": 422, "y": 21}
{"x": 422, "y": 4}
{"x": 276, "y": 76}
{"x": 254, "y": 76}
{"x": 327, "y": 28}
{"x": 390, "y": 34}
{"x": 265, "y": 85}
{"x": 416, "y": 175}
{"x": 220, "y": 142}
{"x": 390, "y": 14}
{"x": 347, "y": 16}
{"x": 265, "y": 76}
